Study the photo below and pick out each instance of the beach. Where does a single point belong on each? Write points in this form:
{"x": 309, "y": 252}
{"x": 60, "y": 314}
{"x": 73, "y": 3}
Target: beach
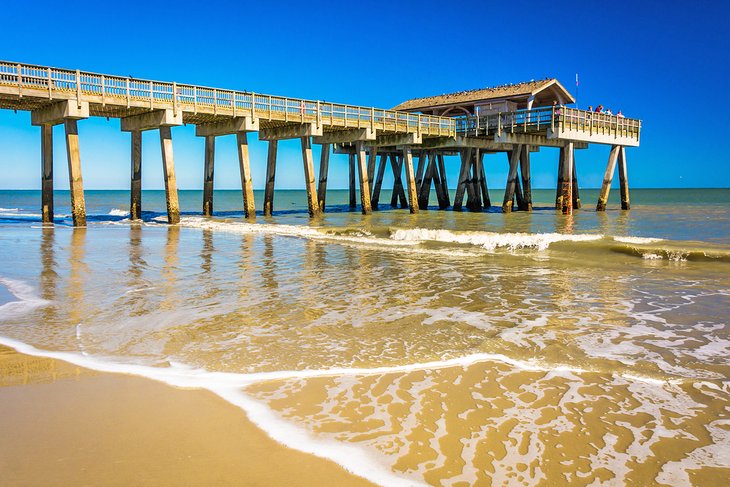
{"x": 443, "y": 348}
{"x": 66, "y": 425}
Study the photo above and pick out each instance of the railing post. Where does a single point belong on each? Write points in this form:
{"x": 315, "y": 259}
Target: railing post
{"x": 253, "y": 105}
{"x": 419, "y": 126}
{"x": 590, "y": 123}
{"x": 552, "y": 119}
{"x": 103, "y": 91}
{"x": 359, "y": 115}
{"x": 233, "y": 102}
{"x": 319, "y": 114}
{"x": 372, "y": 119}
{"x": 270, "y": 108}
{"x": 174, "y": 98}
{"x": 286, "y": 109}
{"x": 499, "y": 124}
{"x": 78, "y": 88}
{"x": 215, "y": 101}
{"x": 345, "y": 108}
{"x": 50, "y": 85}
{"x": 152, "y": 104}
{"x": 20, "y": 81}
{"x": 128, "y": 93}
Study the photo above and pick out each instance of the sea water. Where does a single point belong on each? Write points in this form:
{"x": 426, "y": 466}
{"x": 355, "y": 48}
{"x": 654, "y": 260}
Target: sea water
{"x": 448, "y": 348}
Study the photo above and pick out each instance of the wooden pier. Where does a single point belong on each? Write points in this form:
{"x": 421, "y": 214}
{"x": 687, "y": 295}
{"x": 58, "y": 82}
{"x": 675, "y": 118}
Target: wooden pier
{"x": 515, "y": 120}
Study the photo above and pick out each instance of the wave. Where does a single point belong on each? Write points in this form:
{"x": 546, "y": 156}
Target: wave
{"x": 637, "y": 240}
{"x": 489, "y": 240}
{"x": 676, "y": 252}
{"x": 118, "y": 212}
{"x": 339, "y": 234}
{"x": 27, "y": 299}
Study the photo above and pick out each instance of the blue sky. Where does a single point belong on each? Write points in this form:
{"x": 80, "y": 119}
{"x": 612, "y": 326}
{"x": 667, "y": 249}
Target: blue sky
{"x": 665, "y": 62}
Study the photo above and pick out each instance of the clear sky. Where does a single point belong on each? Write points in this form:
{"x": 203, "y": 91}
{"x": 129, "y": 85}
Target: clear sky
{"x": 666, "y": 62}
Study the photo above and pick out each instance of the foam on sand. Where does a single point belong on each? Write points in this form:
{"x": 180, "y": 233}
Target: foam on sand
{"x": 230, "y": 387}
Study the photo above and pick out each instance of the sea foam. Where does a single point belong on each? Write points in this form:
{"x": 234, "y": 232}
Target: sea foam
{"x": 489, "y": 240}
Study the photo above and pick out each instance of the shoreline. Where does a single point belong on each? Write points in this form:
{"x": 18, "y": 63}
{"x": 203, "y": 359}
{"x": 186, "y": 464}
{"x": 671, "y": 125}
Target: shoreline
{"x": 68, "y": 425}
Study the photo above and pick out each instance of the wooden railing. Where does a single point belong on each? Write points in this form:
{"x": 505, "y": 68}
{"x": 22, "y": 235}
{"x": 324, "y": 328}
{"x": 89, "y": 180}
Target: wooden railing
{"x": 597, "y": 123}
{"x": 199, "y": 99}
{"x": 540, "y": 119}
{"x": 195, "y": 99}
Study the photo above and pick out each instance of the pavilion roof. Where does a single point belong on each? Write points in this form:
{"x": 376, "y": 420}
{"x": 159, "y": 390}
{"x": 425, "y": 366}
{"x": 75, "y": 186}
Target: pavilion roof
{"x": 517, "y": 90}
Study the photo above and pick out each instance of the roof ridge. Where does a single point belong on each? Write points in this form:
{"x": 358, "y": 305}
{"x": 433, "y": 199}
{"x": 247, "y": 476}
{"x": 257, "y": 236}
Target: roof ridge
{"x": 527, "y": 87}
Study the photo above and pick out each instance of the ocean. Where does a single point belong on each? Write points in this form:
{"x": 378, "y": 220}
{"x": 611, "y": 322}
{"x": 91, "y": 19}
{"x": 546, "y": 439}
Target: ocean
{"x": 441, "y": 348}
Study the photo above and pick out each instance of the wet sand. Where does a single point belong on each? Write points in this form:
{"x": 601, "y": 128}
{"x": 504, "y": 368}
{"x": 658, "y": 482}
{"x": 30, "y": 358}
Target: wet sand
{"x": 65, "y": 425}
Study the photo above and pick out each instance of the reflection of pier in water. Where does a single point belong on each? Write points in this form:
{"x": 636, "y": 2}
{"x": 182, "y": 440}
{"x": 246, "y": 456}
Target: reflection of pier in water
{"x": 18, "y": 369}
{"x": 513, "y": 120}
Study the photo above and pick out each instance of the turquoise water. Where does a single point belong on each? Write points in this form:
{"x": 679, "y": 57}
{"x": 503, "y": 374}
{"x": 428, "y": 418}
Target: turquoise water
{"x": 677, "y": 214}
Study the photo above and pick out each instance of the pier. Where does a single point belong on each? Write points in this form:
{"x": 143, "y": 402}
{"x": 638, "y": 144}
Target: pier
{"x": 515, "y": 120}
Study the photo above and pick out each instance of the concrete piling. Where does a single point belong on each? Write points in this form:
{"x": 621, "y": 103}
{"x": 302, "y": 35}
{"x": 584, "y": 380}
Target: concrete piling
{"x": 47, "y": 173}
{"x": 135, "y": 193}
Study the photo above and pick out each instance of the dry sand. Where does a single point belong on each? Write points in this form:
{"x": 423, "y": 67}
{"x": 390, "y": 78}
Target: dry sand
{"x": 63, "y": 425}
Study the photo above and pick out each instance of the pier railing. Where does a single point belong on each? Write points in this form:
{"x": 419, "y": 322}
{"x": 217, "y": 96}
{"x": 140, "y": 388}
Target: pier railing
{"x": 539, "y": 120}
{"x": 127, "y": 91}
{"x": 102, "y": 90}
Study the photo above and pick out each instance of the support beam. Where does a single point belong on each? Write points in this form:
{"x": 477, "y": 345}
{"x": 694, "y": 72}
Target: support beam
{"x": 351, "y": 161}
{"x": 151, "y": 120}
{"x": 509, "y": 192}
{"x": 559, "y": 185}
{"x": 297, "y": 131}
{"x": 47, "y": 173}
{"x": 576, "y": 193}
{"x": 410, "y": 180}
{"x": 420, "y": 169}
{"x": 270, "y": 177}
{"x": 568, "y": 180}
{"x": 372, "y": 162}
{"x": 76, "y": 183}
{"x": 135, "y": 194}
{"x": 463, "y": 178}
{"x": 424, "y": 191}
{"x": 474, "y": 184}
{"x": 364, "y": 180}
{"x": 623, "y": 178}
{"x": 445, "y": 200}
{"x": 307, "y": 158}
{"x": 249, "y": 207}
{"x": 396, "y": 165}
{"x": 608, "y": 178}
{"x": 519, "y": 198}
{"x": 168, "y": 166}
{"x": 526, "y": 183}
{"x": 324, "y": 163}
{"x": 57, "y": 113}
{"x": 391, "y": 140}
{"x": 346, "y": 136}
{"x": 484, "y": 188}
{"x": 227, "y": 126}
{"x": 379, "y": 180}
{"x": 437, "y": 182}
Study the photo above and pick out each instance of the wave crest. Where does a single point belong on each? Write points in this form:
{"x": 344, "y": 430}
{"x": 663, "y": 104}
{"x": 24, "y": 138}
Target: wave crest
{"x": 490, "y": 240}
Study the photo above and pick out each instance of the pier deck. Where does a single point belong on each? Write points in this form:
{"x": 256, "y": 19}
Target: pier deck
{"x": 59, "y": 96}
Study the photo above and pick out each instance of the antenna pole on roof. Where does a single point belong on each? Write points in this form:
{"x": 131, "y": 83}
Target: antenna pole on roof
{"x": 576, "y": 90}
